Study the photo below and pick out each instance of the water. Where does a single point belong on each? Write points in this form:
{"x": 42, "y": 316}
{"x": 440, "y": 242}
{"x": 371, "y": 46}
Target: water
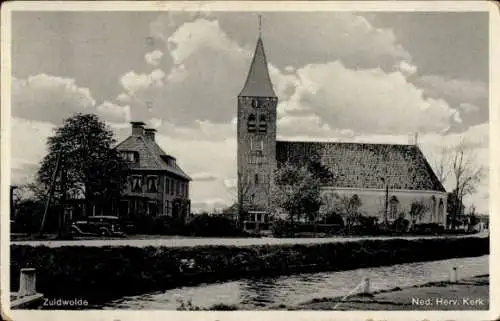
{"x": 190, "y": 242}
{"x": 295, "y": 289}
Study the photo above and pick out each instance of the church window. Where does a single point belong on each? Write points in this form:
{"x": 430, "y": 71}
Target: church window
{"x": 256, "y": 179}
{"x": 441, "y": 210}
{"x": 262, "y": 124}
{"x": 255, "y": 103}
{"x": 393, "y": 210}
{"x": 251, "y": 123}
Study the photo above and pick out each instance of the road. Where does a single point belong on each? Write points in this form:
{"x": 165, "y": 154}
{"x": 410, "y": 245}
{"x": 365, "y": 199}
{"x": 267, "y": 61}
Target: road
{"x": 190, "y": 242}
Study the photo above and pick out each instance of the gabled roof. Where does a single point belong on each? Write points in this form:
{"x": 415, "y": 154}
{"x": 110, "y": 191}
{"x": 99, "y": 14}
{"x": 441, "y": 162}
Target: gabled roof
{"x": 359, "y": 165}
{"x": 151, "y": 156}
{"x": 258, "y": 83}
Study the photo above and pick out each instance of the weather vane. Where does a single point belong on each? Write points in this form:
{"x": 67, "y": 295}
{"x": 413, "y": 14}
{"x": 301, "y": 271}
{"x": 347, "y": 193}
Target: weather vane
{"x": 260, "y": 25}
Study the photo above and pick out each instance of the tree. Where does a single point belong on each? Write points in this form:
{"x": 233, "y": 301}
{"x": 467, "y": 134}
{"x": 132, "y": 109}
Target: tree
{"x": 349, "y": 207}
{"x": 295, "y": 191}
{"x": 466, "y": 174}
{"x": 242, "y": 192}
{"x": 90, "y": 166}
{"x": 417, "y": 211}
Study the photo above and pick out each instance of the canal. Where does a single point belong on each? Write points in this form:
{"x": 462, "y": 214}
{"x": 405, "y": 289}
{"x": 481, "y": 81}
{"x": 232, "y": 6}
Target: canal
{"x": 294, "y": 289}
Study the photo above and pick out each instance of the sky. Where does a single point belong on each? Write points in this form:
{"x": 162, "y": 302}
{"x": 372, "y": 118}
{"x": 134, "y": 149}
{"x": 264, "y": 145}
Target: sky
{"x": 340, "y": 76}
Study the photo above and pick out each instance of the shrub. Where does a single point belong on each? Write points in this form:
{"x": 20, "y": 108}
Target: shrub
{"x": 212, "y": 225}
{"x": 400, "y": 225}
{"x": 281, "y": 228}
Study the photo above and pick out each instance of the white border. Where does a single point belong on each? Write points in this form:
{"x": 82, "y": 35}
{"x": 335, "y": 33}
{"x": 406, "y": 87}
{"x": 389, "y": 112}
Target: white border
{"x": 466, "y": 6}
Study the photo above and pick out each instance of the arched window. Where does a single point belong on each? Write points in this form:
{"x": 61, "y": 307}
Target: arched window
{"x": 262, "y": 124}
{"x": 251, "y": 123}
{"x": 433, "y": 209}
{"x": 256, "y": 179}
{"x": 393, "y": 207}
{"x": 441, "y": 211}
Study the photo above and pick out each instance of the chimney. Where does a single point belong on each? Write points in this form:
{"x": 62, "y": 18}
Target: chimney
{"x": 137, "y": 128}
{"x": 150, "y": 133}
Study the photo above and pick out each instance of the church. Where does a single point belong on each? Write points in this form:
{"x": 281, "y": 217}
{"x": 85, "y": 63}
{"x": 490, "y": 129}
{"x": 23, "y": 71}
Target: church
{"x": 387, "y": 178}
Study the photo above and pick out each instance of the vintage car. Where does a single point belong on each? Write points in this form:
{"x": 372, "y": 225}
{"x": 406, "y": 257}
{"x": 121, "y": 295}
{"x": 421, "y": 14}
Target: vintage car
{"x": 98, "y": 225}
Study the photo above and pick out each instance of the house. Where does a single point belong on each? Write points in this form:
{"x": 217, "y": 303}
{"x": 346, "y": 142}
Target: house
{"x": 387, "y": 178}
{"x": 156, "y": 184}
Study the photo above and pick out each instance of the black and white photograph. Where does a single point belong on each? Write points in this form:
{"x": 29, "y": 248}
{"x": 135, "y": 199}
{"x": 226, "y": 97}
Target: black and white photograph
{"x": 247, "y": 157}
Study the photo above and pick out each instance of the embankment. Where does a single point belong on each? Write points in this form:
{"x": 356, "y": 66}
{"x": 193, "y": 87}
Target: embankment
{"x": 98, "y": 274}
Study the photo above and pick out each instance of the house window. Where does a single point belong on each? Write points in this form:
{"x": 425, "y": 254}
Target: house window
{"x": 433, "y": 208}
{"x": 167, "y": 185}
{"x": 262, "y": 124}
{"x": 166, "y": 208}
{"x": 187, "y": 190}
{"x": 152, "y": 209}
{"x": 177, "y": 187}
{"x": 251, "y": 123}
{"x": 152, "y": 184}
{"x": 393, "y": 210}
{"x": 136, "y": 183}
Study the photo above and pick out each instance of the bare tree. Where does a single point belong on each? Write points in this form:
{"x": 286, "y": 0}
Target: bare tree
{"x": 417, "y": 211}
{"x": 442, "y": 163}
{"x": 349, "y": 207}
{"x": 466, "y": 174}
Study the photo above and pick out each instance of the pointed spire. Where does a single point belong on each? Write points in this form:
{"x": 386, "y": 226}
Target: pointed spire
{"x": 258, "y": 83}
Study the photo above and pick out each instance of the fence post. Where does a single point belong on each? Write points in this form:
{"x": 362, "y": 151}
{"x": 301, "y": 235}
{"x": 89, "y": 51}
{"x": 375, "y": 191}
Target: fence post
{"x": 366, "y": 285}
{"x": 27, "y": 282}
{"x": 453, "y": 275}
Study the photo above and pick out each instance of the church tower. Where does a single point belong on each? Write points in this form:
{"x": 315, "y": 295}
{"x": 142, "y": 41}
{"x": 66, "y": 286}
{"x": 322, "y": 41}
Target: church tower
{"x": 256, "y": 134}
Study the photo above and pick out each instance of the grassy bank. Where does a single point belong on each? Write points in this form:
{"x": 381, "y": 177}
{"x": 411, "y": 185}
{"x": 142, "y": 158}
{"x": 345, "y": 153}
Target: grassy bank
{"x": 467, "y": 294}
{"x": 99, "y": 274}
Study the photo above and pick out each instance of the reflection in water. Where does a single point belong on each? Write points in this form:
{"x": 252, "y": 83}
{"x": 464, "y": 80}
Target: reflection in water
{"x": 294, "y": 289}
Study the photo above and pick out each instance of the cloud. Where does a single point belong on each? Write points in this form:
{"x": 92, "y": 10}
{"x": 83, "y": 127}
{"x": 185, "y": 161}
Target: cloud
{"x": 133, "y": 82}
{"x": 302, "y": 38}
{"x": 406, "y": 68}
{"x": 331, "y": 96}
{"x": 468, "y": 108}
{"x": 203, "y": 176}
{"x": 28, "y": 147}
{"x": 456, "y": 91}
{"x": 49, "y": 98}
{"x": 153, "y": 57}
{"x": 111, "y": 112}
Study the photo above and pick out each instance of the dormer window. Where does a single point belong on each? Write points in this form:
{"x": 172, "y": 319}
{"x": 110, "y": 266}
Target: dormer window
{"x": 130, "y": 156}
{"x": 251, "y": 123}
{"x": 262, "y": 124}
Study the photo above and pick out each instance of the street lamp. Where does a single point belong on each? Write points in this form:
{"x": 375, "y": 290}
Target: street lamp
{"x": 386, "y": 204}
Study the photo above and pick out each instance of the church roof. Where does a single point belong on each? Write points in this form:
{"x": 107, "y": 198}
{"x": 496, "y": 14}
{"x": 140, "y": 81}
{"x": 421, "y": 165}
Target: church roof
{"x": 151, "y": 156}
{"x": 360, "y": 165}
{"x": 258, "y": 83}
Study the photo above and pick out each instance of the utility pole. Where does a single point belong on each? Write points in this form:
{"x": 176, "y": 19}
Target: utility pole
{"x": 51, "y": 191}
